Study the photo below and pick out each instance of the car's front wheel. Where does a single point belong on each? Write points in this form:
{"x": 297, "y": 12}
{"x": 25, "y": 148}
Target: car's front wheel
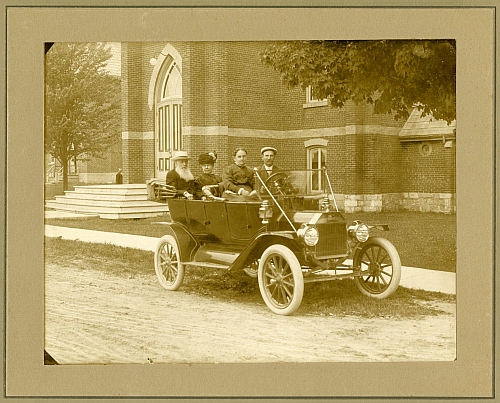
{"x": 380, "y": 266}
{"x": 280, "y": 280}
{"x": 168, "y": 267}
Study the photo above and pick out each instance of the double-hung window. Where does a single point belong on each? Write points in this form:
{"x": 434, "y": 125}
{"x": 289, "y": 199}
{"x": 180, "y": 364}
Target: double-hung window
{"x": 312, "y": 100}
{"x": 316, "y": 161}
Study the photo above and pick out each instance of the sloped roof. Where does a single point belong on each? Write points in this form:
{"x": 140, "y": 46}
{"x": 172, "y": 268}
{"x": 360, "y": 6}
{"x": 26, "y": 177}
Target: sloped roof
{"x": 426, "y": 128}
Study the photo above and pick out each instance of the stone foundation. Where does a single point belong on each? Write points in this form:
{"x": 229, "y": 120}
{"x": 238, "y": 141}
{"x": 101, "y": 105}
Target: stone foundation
{"x": 430, "y": 202}
{"x": 358, "y": 203}
{"x": 391, "y": 202}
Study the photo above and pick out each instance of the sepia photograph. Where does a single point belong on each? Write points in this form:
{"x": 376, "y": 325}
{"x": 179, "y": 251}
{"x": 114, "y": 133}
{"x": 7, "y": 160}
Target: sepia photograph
{"x": 247, "y": 202}
{"x": 199, "y": 190}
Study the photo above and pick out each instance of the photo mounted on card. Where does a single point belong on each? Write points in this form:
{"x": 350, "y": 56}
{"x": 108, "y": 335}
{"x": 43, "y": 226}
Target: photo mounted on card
{"x": 223, "y": 206}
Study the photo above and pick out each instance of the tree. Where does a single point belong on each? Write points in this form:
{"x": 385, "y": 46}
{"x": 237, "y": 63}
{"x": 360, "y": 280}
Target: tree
{"x": 82, "y": 103}
{"x": 394, "y": 75}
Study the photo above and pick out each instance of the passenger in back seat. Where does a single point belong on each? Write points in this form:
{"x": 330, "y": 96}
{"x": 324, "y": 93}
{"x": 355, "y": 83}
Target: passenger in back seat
{"x": 181, "y": 177}
{"x": 208, "y": 180}
{"x": 238, "y": 179}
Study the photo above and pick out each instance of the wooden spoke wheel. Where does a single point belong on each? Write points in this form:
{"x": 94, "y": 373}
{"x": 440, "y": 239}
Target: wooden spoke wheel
{"x": 280, "y": 280}
{"x": 169, "y": 269}
{"x": 380, "y": 266}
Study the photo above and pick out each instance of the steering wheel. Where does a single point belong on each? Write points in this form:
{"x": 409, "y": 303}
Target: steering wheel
{"x": 278, "y": 183}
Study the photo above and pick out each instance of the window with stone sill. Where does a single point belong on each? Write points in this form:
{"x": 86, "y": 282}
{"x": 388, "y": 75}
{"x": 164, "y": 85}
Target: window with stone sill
{"x": 316, "y": 160}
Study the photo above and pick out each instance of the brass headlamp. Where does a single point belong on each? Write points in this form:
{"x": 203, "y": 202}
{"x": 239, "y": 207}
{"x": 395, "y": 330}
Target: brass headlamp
{"x": 265, "y": 212}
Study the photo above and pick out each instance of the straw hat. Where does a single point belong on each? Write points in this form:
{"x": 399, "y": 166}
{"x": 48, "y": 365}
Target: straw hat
{"x": 180, "y": 155}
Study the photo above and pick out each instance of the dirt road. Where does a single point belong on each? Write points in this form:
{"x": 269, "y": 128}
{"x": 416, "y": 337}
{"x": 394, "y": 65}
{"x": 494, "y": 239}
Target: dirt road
{"x": 92, "y": 317}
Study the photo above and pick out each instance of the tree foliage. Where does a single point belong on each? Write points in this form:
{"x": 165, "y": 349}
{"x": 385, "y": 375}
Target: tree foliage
{"x": 393, "y": 75}
{"x": 82, "y": 102}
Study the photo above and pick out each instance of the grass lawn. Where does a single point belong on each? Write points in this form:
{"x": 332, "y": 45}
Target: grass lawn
{"x": 426, "y": 240}
{"x": 339, "y": 297}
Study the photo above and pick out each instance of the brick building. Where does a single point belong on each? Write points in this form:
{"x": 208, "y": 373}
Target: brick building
{"x": 204, "y": 96}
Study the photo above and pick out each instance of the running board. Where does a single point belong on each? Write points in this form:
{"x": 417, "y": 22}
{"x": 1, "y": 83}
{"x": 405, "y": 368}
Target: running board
{"x": 316, "y": 278}
{"x": 207, "y": 265}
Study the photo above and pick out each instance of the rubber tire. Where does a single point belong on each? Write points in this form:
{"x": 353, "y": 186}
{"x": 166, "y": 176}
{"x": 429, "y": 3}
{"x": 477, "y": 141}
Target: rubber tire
{"x": 392, "y": 253}
{"x": 282, "y": 252}
{"x": 165, "y": 244}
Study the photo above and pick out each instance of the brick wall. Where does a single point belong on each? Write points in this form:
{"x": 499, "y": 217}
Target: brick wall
{"x": 227, "y": 89}
{"x": 135, "y": 116}
{"x": 204, "y": 84}
{"x": 429, "y": 176}
{"x": 257, "y": 99}
{"x": 428, "y": 172}
{"x": 132, "y": 161}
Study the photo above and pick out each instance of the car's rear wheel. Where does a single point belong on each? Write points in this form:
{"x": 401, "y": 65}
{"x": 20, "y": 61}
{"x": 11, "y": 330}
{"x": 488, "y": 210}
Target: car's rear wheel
{"x": 280, "y": 280}
{"x": 169, "y": 269}
{"x": 380, "y": 262}
{"x": 253, "y": 269}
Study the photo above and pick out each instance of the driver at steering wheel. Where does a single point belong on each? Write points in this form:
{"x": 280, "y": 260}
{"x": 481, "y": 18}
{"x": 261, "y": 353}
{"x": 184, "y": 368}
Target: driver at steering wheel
{"x": 268, "y": 155}
{"x": 275, "y": 179}
{"x": 268, "y": 169}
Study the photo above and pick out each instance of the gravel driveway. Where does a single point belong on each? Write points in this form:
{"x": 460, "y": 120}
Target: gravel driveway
{"x": 92, "y": 317}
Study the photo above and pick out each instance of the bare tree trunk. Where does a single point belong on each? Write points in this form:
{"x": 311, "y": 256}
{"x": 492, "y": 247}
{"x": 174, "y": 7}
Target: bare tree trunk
{"x": 65, "y": 175}
{"x": 64, "y": 163}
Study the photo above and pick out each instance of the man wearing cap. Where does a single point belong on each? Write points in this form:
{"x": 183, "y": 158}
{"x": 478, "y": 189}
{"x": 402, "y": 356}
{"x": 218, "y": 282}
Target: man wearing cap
{"x": 268, "y": 155}
{"x": 181, "y": 177}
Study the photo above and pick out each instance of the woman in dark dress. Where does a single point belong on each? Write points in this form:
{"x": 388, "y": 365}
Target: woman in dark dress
{"x": 237, "y": 177}
{"x": 207, "y": 180}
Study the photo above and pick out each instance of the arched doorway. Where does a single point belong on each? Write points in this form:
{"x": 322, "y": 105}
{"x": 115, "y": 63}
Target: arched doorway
{"x": 168, "y": 114}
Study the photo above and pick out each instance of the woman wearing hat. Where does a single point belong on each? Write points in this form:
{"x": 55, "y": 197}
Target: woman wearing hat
{"x": 237, "y": 177}
{"x": 207, "y": 178}
{"x": 181, "y": 177}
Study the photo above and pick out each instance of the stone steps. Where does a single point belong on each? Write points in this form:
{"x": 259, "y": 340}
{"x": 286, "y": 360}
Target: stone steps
{"x": 109, "y": 201}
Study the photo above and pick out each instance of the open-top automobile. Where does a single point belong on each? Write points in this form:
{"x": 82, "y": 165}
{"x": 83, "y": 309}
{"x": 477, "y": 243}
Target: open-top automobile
{"x": 291, "y": 234}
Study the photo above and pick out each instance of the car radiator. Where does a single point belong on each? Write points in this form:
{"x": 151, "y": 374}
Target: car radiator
{"x": 332, "y": 240}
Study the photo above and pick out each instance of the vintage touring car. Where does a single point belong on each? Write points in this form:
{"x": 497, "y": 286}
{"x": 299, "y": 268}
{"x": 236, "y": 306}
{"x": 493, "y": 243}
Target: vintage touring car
{"x": 290, "y": 234}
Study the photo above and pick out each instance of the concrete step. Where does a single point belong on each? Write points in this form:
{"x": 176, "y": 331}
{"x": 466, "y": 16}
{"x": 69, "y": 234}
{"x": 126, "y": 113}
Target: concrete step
{"x": 103, "y": 196}
{"x": 147, "y": 206}
{"x": 109, "y": 201}
{"x": 111, "y": 216}
{"x": 138, "y": 189}
{"x": 100, "y": 201}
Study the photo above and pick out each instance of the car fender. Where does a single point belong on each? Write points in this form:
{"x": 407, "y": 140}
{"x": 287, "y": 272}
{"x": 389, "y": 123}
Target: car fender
{"x": 188, "y": 244}
{"x": 261, "y": 242}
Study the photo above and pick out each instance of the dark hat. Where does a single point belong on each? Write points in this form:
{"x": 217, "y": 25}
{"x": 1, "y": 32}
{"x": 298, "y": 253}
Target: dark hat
{"x": 207, "y": 158}
{"x": 263, "y": 150}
